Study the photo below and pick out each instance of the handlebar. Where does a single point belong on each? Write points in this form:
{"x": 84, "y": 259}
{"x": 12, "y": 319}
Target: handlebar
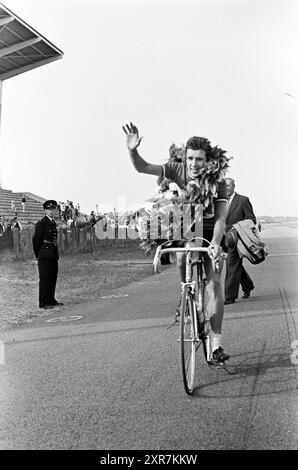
{"x": 160, "y": 251}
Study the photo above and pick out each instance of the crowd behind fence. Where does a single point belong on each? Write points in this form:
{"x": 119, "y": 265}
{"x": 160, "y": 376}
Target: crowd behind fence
{"x": 70, "y": 241}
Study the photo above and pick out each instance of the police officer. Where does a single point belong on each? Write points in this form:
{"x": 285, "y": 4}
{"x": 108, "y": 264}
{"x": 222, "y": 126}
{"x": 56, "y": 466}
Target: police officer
{"x": 46, "y": 251}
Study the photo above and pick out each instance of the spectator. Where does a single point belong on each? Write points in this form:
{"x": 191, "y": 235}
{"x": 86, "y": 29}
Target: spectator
{"x": 62, "y": 205}
{"x": 72, "y": 213}
{"x": 92, "y": 218}
{"x": 59, "y": 209}
{"x": 128, "y": 219}
{"x": 23, "y": 201}
{"x": 16, "y": 224}
{"x": 2, "y": 226}
{"x": 104, "y": 221}
{"x": 69, "y": 222}
{"x": 239, "y": 208}
{"x": 30, "y": 224}
{"x": 13, "y": 207}
{"x": 66, "y": 211}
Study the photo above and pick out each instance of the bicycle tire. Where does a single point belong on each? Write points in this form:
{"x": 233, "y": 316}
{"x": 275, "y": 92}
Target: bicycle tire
{"x": 187, "y": 342}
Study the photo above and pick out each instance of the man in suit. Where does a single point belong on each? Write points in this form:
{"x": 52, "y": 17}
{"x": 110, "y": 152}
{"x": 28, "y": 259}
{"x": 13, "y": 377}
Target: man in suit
{"x": 239, "y": 208}
{"x": 46, "y": 251}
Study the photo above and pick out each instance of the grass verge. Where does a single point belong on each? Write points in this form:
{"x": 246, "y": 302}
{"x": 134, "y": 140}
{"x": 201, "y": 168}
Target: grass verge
{"x": 81, "y": 277}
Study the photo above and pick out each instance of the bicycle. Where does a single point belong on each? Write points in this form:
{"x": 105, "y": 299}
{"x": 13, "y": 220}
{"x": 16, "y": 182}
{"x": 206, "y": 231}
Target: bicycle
{"x": 195, "y": 328}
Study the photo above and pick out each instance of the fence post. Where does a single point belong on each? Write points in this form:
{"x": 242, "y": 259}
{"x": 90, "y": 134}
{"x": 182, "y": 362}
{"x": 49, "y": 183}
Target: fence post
{"x": 74, "y": 239}
{"x": 90, "y": 231}
{"x": 85, "y": 244}
{"x": 66, "y": 238}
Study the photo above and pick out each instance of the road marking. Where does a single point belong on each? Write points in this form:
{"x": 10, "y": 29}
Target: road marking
{"x": 283, "y": 254}
{"x": 67, "y": 318}
{"x": 252, "y": 313}
{"x": 113, "y": 296}
{"x": 148, "y": 282}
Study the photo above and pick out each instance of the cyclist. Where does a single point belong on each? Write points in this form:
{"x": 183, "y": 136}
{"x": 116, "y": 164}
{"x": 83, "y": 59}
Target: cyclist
{"x": 198, "y": 151}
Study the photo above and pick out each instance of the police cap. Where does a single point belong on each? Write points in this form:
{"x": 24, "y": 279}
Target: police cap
{"x": 51, "y": 204}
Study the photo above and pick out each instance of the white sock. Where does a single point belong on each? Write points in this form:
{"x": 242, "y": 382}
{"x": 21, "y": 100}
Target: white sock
{"x": 215, "y": 341}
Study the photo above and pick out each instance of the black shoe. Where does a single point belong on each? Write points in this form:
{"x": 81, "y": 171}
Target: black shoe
{"x": 46, "y": 306}
{"x": 58, "y": 304}
{"x": 219, "y": 356}
{"x": 229, "y": 301}
{"x": 247, "y": 294}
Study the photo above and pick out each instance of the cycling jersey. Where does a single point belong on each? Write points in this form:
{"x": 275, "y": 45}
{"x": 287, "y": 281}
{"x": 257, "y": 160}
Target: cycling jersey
{"x": 177, "y": 172}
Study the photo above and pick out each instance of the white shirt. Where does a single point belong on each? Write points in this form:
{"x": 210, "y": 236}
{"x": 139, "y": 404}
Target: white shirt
{"x": 231, "y": 198}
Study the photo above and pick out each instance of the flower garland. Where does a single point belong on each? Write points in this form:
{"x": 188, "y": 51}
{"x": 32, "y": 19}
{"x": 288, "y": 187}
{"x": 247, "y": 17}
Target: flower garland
{"x": 199, "y": 191}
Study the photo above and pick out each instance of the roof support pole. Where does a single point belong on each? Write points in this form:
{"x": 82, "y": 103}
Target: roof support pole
{"x": 6, "y": 20}
{"x": 18, "y": 46}
{"x": 0, "y": 132}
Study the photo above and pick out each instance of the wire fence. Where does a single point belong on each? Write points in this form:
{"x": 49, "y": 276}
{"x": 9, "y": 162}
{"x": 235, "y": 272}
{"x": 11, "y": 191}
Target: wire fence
{"x": 69, "y": 240}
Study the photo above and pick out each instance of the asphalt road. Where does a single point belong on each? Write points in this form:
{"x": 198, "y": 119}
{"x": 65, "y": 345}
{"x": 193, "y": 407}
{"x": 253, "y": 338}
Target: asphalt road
{"x": 107, "y": 375}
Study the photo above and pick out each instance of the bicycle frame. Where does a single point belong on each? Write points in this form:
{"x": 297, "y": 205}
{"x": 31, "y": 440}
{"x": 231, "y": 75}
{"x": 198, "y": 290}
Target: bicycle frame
{"x": 194, "y": 322}
{"x": 189, "y": 284}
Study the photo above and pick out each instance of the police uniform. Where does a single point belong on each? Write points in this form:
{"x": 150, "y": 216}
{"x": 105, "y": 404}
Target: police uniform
{"x": 46, "y": 251}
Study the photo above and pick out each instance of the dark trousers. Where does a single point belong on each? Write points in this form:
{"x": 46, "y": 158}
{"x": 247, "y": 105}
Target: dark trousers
{"x": 236, "y": 275}
{"x": 48, "y": 272}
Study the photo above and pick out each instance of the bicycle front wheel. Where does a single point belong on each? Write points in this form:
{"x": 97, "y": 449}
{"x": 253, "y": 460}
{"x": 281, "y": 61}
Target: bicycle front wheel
{"x": 188, "y": 342}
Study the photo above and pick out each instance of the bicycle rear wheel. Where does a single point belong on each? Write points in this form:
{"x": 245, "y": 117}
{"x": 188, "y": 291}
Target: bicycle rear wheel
{"x": 187, "y": 341}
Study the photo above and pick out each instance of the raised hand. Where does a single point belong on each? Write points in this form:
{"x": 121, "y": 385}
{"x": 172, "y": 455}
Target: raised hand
{"x": 132, "y": 136}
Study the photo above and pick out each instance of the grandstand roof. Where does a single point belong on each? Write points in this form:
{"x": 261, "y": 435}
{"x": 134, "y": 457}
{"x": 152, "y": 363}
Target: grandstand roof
{"x": 22, "y": 48}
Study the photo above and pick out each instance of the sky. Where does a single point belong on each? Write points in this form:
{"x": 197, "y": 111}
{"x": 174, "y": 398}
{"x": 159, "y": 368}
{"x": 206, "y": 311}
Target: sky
{"x": 225, "y": 70}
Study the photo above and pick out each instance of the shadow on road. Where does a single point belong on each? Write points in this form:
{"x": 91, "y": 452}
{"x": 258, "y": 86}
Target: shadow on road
{"x": 99, "y": 331}
{"x": 257, "y": 373}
